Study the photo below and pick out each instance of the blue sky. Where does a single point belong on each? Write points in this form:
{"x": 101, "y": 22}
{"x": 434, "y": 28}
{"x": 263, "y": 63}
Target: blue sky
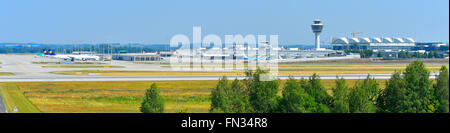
{"x": 155, "y": 22}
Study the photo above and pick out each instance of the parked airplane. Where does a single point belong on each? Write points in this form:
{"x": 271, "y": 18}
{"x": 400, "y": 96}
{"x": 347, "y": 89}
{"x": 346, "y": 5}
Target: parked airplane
{"x": 254, "y": 58}
{"x": 51, "y": 54}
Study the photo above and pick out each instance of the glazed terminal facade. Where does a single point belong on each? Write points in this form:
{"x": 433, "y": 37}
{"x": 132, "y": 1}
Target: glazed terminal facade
{"x": 432, "y": 46}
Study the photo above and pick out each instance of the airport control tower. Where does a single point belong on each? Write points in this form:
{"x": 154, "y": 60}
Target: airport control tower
{"x": 317, "y": 29}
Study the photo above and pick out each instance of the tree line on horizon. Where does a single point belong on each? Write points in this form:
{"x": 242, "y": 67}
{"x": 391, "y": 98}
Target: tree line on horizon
{"x": 365, "y": 53}
{"x": 410, "y": 91}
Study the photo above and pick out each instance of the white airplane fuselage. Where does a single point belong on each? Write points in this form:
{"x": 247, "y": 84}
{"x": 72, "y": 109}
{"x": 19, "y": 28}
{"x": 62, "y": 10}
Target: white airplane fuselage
{"x": 77, "y": 57}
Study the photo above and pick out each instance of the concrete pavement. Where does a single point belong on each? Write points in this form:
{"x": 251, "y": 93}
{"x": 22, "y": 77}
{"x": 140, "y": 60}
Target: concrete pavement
{"x": 2, "y": 104}
{"x": 25, "y": 70}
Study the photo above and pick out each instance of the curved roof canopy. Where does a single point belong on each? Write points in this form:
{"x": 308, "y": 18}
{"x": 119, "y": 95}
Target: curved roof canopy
{"x": 341, "y": 40}
{"x": 398, "y": 40}
{"x": 364, "y": 40}
{"x": 387, "y": 40}
{"x": 354, "y": 40}
{"x": 409, "y": 39}
{"x": 377, "y": 40}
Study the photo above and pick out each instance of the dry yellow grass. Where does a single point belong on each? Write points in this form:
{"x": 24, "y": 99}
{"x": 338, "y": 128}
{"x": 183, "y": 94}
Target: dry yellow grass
{"x": 115, "y": 97}
{"x": 120, "y": 96}
{"x": 283, "y": 70}
{"x": 181, "y": 73}
{"x": 127, "y": 73}
{"x": 350, "y": 69}
{"x": 362, "y": 65}
{"x": 6, "y": 74}
{"x": 13, "y": 97}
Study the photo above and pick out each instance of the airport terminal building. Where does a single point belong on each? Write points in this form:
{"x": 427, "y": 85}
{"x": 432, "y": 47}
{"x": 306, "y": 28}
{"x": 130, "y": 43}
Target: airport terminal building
{"x": 384, "y": 44}
{"x": 137, "y": 57}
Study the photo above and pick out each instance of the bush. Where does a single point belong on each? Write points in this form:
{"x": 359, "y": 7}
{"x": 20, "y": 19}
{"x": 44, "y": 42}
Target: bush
{"x": 153, "y": 102}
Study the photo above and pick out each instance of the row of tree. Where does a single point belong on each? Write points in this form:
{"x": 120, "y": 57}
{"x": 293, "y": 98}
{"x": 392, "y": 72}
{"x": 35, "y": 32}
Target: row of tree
{"x": 410, "y": 91}
{"x": 364, "y": 53}
{"x": 402, "y": 54}
{"x": 407, "y": 55}
{"x": 414, "y": 92}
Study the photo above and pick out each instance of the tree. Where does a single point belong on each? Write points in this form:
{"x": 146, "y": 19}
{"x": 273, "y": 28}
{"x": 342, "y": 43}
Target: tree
{"x": 402, "y": 54}
{"x": 362, "y": 55}
{"x": 392, "y": 98}
{"x": 441, "y": 90}
{"x": 340, "y": 95}
{"x": 379, "y": 54}
{"x": 436, "y": 54}
{"x": 239, "y": 98}
{"x": 407, "y": 55}
{"x": 315, "y": 89}
{"x": 153, "y": 102}
{"x": 419, "y": 90}
{"x": 228, "y": 98}
{"x": 430, "y": 54}
{"x": 425, "y": 55}
{"x": 304, "y": 84}
{"x": 220, "y": 100}
{"x": 295, "y": 100}
{"x": 412, "y": 93}
{"x": 262, "y": 94}
{"x": 362, "y": 96}
{"x": 416, "y": 55}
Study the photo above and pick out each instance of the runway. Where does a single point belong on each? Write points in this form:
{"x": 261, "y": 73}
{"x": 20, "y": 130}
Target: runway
{"x": 170, "y": 78}
{"x": 26, "y": 71}
{"x": 2, "y": 105}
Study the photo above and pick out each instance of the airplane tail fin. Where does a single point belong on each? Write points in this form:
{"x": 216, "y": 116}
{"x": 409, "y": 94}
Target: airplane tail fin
{"x": 50, "y": 52}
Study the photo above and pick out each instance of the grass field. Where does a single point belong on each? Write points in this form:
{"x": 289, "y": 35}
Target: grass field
{"x": 13, "y": 96}
{"x": 113, "y": 97}
{"x": 108, "y": 96}
{"x": 366, "y": 65}
{"x": 365, "y": 61}
{"x": 351, "y": 69}
{"x": 6, "y": 74}
{"x": 81, "y": 66}
{"x": 284, "y": 69}
{"x": 181, "y": 73}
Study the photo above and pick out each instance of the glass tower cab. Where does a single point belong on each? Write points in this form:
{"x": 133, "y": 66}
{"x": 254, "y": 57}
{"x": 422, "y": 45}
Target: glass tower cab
{"x": 317, "y": 27}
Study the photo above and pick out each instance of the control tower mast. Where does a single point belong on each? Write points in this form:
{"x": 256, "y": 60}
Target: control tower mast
{"x": 317, "y": 27}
